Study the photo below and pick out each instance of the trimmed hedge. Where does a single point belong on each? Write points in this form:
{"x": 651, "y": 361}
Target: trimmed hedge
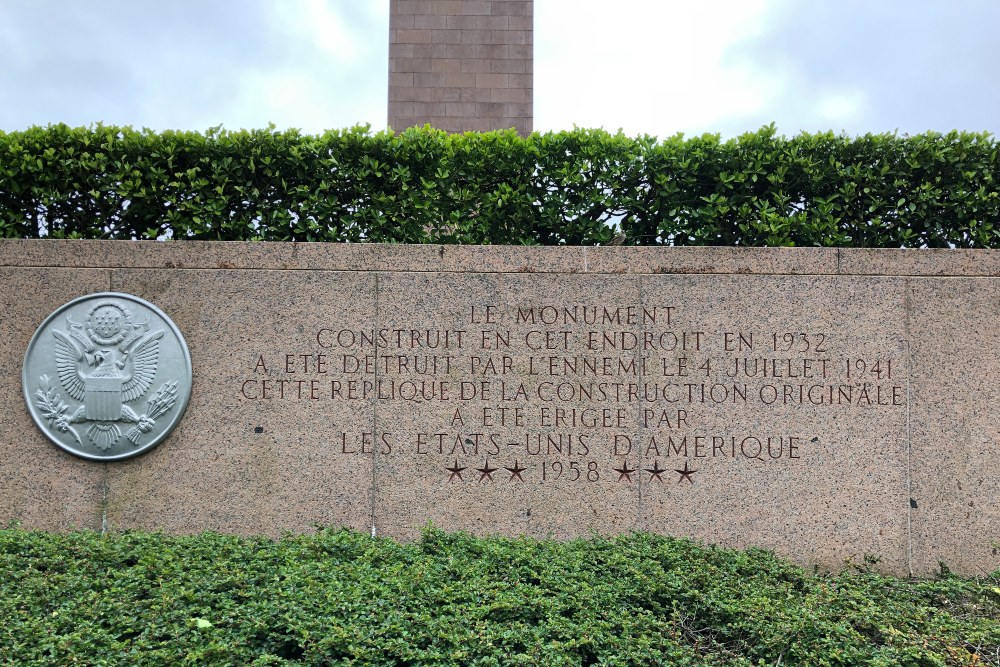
{"x": 575, "y": 187}
{"x": 343, "y": 598}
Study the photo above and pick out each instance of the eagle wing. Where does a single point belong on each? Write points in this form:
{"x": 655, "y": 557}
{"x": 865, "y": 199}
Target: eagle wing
{"x": 68, "y": 358}
{"x": 143, "y": 358}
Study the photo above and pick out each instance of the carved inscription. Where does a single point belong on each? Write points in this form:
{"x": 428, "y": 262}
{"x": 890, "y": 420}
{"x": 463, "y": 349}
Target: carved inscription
{"x": 580, "y": 393}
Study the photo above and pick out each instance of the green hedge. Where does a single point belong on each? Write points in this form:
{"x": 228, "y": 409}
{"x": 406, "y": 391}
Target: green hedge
{"x": 343, "y": 598}
{"x": 576, "y": 187}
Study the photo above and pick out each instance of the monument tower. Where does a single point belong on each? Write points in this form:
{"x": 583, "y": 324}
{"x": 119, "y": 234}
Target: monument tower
{"x": 461, "y": 65}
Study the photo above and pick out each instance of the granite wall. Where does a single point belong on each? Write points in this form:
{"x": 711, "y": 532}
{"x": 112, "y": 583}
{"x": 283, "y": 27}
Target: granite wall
{"x": 837, "y": 406}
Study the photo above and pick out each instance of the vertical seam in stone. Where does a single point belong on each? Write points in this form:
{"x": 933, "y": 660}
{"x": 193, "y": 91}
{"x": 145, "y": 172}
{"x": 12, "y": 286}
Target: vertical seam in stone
{"x": 586, "y": 268}
{"x": 909, "y": 475}
{"x": 373, "y": 491}
{"x": 104, "y": 500}
{"x": 638, "y": 423}
{"x": 104, "y": 468}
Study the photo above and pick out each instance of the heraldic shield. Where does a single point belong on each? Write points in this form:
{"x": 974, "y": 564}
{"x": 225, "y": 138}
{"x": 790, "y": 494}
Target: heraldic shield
{"x": 123, "y": 371}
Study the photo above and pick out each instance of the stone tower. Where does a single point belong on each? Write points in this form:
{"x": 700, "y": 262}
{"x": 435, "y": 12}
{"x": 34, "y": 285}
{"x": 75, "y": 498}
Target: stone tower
{"x": 461, "y": 65}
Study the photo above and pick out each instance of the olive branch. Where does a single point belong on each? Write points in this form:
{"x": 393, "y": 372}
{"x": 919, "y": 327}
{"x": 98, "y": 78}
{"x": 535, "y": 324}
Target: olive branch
{"x": 54, "y": 409}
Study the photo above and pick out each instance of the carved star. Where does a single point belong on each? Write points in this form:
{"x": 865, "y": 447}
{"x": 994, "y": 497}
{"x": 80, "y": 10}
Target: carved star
{"x": 455, "y": 472}
{"x": 486, "y": 472}
{"x": 656, "y": 472}
{"x": 685, "y": 474}
{"x": 625, "y": 472}
{"x": 515, "y": 472}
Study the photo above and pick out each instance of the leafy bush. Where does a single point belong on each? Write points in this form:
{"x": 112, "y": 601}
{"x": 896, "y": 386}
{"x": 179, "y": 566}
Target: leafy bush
{"x": 343, "y": 598}
{"x": 576, "y": 187}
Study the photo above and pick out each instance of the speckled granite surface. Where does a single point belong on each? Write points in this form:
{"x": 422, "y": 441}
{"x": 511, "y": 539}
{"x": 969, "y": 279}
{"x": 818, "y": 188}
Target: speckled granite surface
{"x": 835, "y": 406}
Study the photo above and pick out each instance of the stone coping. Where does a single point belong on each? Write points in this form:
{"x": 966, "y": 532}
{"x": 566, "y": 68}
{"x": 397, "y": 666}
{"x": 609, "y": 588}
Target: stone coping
{"x": 269, "y": 255}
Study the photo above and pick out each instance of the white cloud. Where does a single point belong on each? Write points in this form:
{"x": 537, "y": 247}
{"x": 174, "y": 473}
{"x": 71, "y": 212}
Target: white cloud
{"x": 332, "y": 72}
{"x": 730, "y": 66}
{"x": 321, "y": 26}
{"x": 879, "y": 65}
{"x": 647, "y": 67}
{"x": 312, "y": 64}
{"x": 841, "y": 108}
{"x": 290, "y": 98}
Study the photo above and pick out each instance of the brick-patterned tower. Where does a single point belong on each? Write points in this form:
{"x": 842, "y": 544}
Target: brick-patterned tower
{"x": 461, "y": 65}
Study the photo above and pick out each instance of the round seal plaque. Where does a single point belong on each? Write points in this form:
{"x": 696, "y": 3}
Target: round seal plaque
{"x": 107, "y": 376}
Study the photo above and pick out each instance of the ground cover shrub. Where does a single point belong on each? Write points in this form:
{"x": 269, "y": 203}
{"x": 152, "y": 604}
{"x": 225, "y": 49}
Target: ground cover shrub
{"x": 577, "y": 187}
{"x": 344, "y": 598}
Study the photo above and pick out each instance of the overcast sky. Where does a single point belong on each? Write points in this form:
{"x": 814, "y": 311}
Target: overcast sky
{"x": 646, "y": 66}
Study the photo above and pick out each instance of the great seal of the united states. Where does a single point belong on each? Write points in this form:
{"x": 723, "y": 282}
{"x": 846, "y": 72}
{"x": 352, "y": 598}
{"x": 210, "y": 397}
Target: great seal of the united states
{"x": 107, "y": 376}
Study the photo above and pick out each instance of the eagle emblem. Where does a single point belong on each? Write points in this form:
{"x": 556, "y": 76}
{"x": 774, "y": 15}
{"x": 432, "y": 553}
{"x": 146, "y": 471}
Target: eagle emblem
{"x": 105, "y": 362}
